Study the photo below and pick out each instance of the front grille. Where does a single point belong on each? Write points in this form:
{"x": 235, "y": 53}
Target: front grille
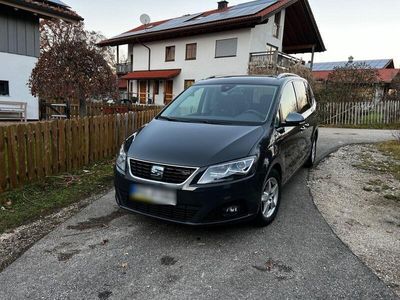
{"x": 171, "y": 174}
{"x": 180, "y": 213}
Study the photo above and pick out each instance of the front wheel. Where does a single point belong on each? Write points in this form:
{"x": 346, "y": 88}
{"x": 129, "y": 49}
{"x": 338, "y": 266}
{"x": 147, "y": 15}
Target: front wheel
{"x": 313, "y": 155}
{"x": 270, "y": 199}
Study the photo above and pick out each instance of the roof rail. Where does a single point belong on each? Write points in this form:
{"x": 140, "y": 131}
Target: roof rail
{"x": 284, "y": 75}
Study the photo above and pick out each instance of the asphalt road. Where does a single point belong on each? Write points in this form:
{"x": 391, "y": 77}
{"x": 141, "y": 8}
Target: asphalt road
{"x": 103, "y": 253}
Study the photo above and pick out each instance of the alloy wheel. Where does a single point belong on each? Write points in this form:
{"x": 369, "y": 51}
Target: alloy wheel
{"x": 270, "y": 197}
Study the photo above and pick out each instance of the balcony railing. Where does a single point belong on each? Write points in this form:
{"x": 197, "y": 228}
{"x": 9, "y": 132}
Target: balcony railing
{"x": 272, "y": 59}
{"x": 124, "y": 68}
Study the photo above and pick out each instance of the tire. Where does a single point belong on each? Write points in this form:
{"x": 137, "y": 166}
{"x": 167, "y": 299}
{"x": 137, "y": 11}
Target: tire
{"x": 313, "y": 154}
{"x": 269, "y": 203}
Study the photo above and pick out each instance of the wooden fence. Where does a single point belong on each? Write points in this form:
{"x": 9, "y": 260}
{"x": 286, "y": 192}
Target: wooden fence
{"x": 95, "y": 109}
{"x": 32, "y": 151}
{"x": 359, "y": 113}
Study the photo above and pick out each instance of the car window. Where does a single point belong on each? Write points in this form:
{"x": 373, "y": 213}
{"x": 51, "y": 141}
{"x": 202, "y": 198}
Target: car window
{"x": 223, "y": 103}
{"x": 310, "y": 94}
{"x": 192, "y": 104}
{"x": 288, "y": 101}
{"x": 301, "y": 94}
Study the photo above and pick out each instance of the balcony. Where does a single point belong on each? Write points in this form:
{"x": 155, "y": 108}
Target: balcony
{"x": 123, "y": 68}
{"x": 273, "y": 60}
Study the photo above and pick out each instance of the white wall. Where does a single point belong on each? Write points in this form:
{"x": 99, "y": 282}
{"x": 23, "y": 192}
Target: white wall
{"x": 206, "y": 65}
{"x": 263, "y": 34}
{"x": 16, "y": 69}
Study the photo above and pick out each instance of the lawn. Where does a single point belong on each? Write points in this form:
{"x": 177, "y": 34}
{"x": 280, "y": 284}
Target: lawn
{"x": 392, "y": 149}
{"x": 30, "y": 203}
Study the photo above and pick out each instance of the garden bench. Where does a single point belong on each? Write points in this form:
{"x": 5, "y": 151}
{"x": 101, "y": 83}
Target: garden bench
{"x": 11, "y": 110}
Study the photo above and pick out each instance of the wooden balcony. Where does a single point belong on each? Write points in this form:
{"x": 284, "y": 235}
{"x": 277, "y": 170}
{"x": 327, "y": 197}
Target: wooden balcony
{"x": 123, "y": 68}
{"x": 272, "y": 60}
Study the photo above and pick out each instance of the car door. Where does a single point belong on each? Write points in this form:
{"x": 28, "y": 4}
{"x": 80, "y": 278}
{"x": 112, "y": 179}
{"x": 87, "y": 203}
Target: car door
{"x": 288, "y": 138}
{"x": 304, "y": 108}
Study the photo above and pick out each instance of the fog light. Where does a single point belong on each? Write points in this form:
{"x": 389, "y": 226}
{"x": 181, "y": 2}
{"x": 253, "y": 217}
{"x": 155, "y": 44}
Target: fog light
{"x": 232, "y": 210}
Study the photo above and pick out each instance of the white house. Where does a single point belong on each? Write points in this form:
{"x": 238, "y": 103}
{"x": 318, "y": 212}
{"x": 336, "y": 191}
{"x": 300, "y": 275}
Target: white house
{"x": 167, "y": 56}
{"x": 20, "y": 47}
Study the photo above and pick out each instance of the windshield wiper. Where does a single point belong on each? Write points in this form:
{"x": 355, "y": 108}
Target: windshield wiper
{"x": 172, "y": 119}
{"x": 167, "y": 118}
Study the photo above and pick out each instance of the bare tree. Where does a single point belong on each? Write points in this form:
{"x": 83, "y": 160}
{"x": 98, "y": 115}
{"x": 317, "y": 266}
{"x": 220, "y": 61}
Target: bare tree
{"x": 71, "y": 67}
{"x": 352, "y": 83}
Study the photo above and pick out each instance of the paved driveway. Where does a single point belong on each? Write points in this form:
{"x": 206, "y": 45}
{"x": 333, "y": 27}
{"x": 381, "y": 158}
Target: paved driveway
{"x": 102, "y": 253}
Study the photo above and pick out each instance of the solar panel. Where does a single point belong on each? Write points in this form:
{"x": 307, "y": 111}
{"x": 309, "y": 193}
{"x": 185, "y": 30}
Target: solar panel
{"x": 58, "y": 2}
{"x": 239, "y": 10}
{"x": 329, "y": 66}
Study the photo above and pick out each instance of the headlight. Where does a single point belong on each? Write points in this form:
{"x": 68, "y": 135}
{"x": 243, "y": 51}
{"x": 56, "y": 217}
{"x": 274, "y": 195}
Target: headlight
{"x": 227, "y": 171}
{"x": 121, "y": 160}
{"x": 122, "y": 156}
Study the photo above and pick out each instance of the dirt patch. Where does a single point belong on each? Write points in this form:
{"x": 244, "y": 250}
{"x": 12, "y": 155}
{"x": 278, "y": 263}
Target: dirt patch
{"x": 99, "y": 222}
{"x": 67, "y": 255}
{"x": 357, "y": 194}
{"x": 14, "y": 243}
{"x": 168, "y": 260}
{"x": 104, "y": 295}
{"x": 280, "y": 270}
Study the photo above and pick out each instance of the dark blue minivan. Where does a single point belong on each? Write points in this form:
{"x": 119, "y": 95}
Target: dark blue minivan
{"x": 220, "y": 152}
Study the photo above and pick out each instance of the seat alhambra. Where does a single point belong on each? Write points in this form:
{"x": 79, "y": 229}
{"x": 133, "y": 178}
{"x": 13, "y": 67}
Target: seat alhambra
{"x": 220, "y": 152}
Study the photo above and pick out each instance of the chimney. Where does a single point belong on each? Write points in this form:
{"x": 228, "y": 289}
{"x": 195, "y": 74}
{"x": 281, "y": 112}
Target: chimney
{"x": 222, "y": 4}
{"x": 351, "y": 59}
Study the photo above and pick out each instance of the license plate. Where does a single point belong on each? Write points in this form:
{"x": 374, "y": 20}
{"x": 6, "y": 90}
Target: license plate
{"x": 153, "y": 195}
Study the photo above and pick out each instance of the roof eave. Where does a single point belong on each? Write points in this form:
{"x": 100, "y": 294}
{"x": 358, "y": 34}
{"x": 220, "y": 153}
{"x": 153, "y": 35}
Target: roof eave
{"x": 43, "y": 12}
{"x": 314, "y": 22}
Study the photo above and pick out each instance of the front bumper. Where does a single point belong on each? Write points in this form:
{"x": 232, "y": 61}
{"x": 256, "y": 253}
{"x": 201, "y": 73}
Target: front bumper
{"x": 198, "y": 205}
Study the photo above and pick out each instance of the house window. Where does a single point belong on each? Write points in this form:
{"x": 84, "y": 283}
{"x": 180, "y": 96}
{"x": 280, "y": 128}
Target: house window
{"x": 170, "y": 53}
{"x": 277, "y": 24}
{"x": 188, "y": 83}
{"x": 226, "y": 48}
{"x": 191, "y": 51}
{"x": 4, "y": 89}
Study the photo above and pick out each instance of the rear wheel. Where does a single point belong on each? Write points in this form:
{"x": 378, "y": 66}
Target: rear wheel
{"x": 313, "y": 155}
{"x": 270, "y": 199}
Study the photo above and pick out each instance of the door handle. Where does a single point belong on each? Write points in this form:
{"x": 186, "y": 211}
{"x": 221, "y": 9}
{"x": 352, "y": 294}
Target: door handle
{"x": 304, "y": 127}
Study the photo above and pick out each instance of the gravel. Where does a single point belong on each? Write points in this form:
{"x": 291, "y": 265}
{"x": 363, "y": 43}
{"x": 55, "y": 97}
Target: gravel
{"x": 353, "y": 198}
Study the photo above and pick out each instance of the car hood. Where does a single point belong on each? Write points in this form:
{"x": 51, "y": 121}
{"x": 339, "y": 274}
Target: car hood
{"x": 193, "y": 144}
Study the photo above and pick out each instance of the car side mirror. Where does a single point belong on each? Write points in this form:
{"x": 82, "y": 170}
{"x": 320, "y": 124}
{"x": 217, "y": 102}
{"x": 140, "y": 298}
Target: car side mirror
{"x": 294, "y": 119}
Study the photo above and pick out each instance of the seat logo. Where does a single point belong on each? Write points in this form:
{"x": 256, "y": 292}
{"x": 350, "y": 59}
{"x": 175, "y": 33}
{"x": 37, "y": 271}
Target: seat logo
{"x": 157, "y": 172}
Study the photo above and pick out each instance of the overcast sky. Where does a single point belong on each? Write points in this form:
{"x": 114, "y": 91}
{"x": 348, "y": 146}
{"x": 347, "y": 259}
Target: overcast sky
{"x": 365, "y": 29}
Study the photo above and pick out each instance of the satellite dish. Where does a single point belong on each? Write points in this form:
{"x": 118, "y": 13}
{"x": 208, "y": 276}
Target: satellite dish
{"x": 145, "y": 19}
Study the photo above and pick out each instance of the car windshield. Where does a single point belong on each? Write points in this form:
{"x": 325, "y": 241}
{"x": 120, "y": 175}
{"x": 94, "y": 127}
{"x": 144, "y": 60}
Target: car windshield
{"x": 222, "y": 104}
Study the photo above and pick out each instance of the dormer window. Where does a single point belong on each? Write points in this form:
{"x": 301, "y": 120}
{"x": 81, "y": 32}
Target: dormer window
{"x": 277, "y": 24}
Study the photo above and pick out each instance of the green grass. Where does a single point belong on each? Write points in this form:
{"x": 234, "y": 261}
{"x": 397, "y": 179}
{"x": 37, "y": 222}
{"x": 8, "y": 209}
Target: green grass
{"x": 392, "y": 149}
{"x": 30, "y": 203}
{"x": 391, "y": 165}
